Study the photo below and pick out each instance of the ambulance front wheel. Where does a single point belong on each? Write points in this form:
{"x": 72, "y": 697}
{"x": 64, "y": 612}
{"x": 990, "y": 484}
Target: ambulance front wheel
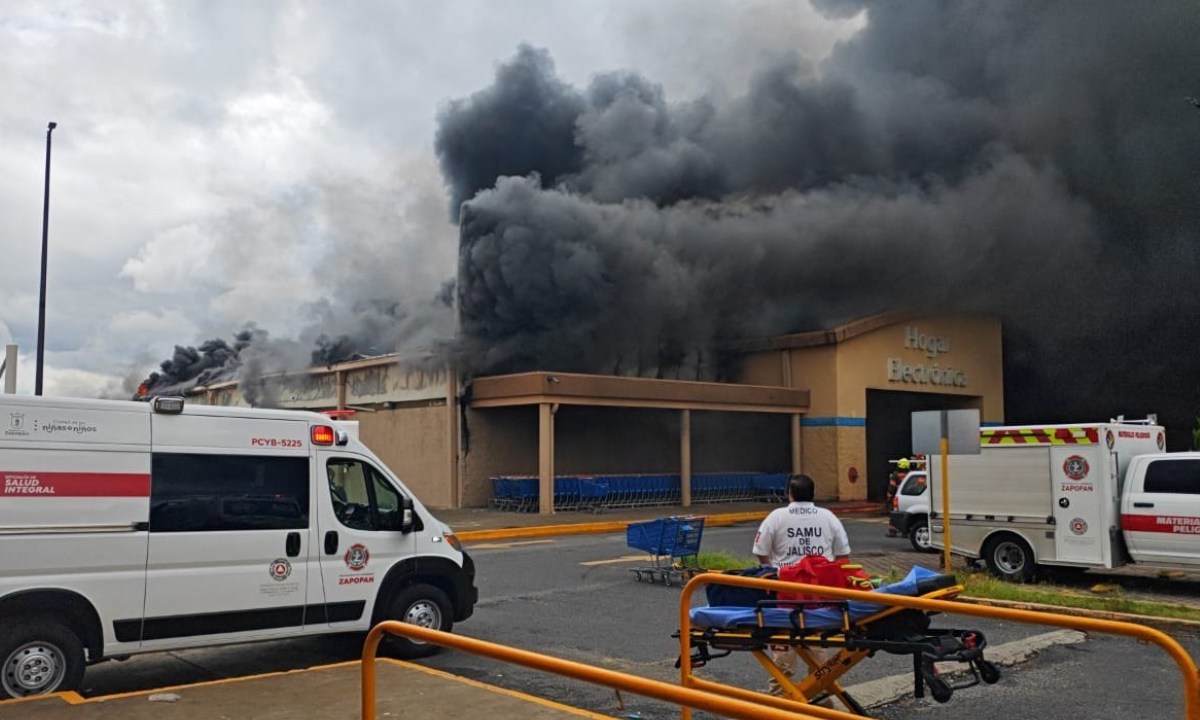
{"x": 40, "y": 656}
{"x": 423, "y": 605}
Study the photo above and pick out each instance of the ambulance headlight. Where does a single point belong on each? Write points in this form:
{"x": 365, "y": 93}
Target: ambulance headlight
{"x": 168, "y": 405}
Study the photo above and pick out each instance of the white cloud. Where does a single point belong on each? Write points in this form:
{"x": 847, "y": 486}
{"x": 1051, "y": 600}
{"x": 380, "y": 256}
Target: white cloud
{"x": 171, "y": 260}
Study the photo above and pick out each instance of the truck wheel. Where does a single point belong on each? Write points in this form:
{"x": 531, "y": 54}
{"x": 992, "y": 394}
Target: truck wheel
{"x": 918, "y": 536}
{"x": 1009, "y": 558}
{"x": 423, "y": 605}
{"x": 39, "y": 657}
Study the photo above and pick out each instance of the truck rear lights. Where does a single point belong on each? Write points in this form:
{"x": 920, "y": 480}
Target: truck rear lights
{"x": 322, "y": 435}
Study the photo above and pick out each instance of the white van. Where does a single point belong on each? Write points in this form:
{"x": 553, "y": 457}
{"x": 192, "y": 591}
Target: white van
{"x": 132, "y": 527}
{"x": 910, "y": 510}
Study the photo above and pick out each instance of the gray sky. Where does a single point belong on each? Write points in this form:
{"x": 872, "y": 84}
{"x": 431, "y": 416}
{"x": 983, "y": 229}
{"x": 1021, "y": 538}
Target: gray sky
{"x": 222, "y": 162}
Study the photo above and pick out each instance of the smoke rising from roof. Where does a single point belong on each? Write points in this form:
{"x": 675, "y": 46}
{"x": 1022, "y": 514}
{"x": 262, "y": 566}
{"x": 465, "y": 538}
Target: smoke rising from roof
{"x": 360, "y": 267}
{"x": 1033, "y": 159}
{"x": 1036, "y": 160}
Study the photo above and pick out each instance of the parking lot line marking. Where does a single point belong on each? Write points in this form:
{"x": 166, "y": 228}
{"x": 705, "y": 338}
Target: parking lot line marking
{"x": 503, "y": 545}
{"x": 622, "y": 559}
{"x": 499, "y": 690}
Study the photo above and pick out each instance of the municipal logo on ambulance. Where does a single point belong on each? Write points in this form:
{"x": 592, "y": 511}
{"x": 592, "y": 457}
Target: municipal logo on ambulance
{"x": 1079, "y": 526}
{"x": 280, "y": 569}
{"x": 17, "y": 424}
{"x": 357, "y": 557}
{"x": 1076, "y": 467}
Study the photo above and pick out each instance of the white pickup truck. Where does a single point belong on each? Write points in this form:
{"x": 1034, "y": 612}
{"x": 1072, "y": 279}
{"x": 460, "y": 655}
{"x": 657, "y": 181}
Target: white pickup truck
{"x": 1096, "y": 495}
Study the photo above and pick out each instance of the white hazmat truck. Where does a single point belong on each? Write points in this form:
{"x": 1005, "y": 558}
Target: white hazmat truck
{"x": 1097, "y": 495}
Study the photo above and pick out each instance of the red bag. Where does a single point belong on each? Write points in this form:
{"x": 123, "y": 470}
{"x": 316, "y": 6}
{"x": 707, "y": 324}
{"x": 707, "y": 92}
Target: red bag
{"x": 819, "y": 570}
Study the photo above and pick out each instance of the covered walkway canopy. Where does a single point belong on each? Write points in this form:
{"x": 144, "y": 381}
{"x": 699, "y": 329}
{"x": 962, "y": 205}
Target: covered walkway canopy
{"x": 549, "y": 390}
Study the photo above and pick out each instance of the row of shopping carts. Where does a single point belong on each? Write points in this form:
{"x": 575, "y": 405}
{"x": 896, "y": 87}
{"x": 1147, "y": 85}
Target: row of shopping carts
{"x": 594, "y": 492}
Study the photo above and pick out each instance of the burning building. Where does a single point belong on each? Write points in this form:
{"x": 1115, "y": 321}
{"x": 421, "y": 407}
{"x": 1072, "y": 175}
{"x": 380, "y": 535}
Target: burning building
{"x": 638, "y": 276}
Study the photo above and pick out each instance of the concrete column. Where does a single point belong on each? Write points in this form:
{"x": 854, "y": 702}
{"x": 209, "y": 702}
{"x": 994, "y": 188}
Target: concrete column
{"x": 452, "y": 429}
{"x": 10, "y": 369}
{"x": 797, "y": 446}
{"x": 685, "y": 458}
{"x": 545, "y": 459}
{"x": 339, "y": 378}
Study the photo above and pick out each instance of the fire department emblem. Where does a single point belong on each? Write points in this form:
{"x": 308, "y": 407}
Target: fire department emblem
{"x": 1161, "y": 441}
{"x": 280, "y": 569}
{"x": 357, "y": 557}
{"x": 1075, "y": 467}
{"x": 1079, "y": 526}
{"x": 16, "y": 421}
{"x": 1109, "y": 439}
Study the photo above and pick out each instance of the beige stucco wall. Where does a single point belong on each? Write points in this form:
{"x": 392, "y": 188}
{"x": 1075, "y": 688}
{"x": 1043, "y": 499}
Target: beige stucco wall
{"x": 838, "y": 376}
{"x": 974, "y": 349}
{"x": 816, "y": 370}
{"x": 763, "y": 368}
{"x": 502, "y": 441}
{"x": 820, "y": 460}
{"x": 413, "y": 442}
{"x": 852, "y": 453}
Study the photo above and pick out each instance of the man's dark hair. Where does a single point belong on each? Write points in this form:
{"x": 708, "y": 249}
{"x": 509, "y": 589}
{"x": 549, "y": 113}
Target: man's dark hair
{"x": 801, "y": 488}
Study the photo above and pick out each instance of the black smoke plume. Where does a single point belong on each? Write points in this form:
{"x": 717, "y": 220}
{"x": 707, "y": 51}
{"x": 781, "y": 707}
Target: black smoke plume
{"x": 1036, "y": 160}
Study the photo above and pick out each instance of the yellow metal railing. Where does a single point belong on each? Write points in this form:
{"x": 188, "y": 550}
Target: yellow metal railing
{"x": 1191, "y": 676}
{"x": 685, "y": 697}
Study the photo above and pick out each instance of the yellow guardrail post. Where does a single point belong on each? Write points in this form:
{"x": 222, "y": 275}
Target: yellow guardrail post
{"x": 685, "y": 697}
{"x": 1191, "y": 675}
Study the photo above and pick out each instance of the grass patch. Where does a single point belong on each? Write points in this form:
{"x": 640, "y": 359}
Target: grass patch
{"x": 982, "y": 585}
{"x": 721, "y": 561}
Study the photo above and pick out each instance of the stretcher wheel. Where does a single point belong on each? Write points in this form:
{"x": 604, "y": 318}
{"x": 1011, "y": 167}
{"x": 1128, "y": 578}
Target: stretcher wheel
{"x": 939, "y": 689}
{"x": 988, "y": 672}
{"x": 638, "y": 574}
{"x": 667, "y": 578}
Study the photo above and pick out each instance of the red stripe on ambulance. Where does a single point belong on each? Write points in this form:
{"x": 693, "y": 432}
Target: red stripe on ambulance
{"x": 1174, "y": 524}
{"x": 35, "y": 483}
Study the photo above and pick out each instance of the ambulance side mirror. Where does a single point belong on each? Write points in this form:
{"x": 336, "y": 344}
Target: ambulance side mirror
{"x": 406, "y": 522}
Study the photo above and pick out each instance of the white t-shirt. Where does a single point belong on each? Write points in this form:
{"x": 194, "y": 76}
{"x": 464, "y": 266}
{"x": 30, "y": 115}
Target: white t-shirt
{"x": 801, "y": 528}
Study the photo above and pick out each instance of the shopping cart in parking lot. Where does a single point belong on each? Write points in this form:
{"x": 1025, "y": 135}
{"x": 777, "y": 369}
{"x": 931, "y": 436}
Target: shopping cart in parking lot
{"x": 673, "y": 544}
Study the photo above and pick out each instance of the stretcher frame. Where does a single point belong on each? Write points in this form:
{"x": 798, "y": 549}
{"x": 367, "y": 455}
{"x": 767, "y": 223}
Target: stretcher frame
{"x": 854, "y": 643}
{"x": 1187, "y": 667}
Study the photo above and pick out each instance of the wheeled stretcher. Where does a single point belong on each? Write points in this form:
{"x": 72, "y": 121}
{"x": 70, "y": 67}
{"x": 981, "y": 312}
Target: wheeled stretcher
{"x": 856, "y": 630}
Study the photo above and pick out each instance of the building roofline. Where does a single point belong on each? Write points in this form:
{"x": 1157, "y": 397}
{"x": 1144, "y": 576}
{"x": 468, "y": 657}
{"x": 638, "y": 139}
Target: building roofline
{"x": 832, "y": 336}
{"x": 535, "y": 388}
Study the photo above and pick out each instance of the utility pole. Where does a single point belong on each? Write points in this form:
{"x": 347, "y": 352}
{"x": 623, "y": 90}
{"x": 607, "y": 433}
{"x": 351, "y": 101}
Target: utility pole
{"x": 41, "y": 339}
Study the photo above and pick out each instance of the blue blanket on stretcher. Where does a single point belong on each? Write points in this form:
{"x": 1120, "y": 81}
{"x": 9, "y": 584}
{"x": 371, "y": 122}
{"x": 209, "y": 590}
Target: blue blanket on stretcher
{"x": 919, "y": 581}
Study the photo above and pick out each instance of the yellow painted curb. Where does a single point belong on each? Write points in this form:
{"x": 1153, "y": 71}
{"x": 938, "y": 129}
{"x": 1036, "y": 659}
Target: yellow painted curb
{"x": 1167, "y": 625}
{"x": 595, "y": 528}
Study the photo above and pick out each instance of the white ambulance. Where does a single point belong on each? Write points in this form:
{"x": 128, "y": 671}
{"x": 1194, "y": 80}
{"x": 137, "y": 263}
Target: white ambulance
{"x": 1097, "y": 495}
{"x": 131, "y": 527}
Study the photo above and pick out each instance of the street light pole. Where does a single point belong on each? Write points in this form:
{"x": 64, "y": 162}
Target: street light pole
{"x": 41, "y": 343}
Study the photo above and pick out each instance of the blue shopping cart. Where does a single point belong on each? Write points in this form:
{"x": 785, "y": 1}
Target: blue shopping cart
{"x": 673, "y": 544}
